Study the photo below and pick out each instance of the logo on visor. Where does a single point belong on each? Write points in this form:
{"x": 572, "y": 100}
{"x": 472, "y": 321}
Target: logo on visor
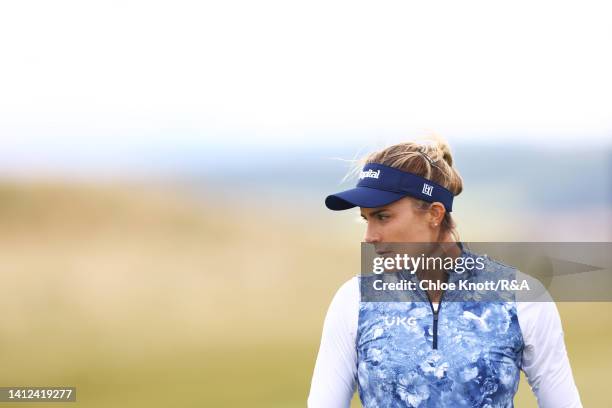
{"x": 427, "y": 189}
{"x": 369, "y": 174}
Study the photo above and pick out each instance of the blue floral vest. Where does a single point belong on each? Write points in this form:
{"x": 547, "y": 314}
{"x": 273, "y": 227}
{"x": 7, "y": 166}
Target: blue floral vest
{"x": 468, "y": 354}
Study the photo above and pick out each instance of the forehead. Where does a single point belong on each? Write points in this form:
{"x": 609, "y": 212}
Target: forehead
{"x": 398, "y": 205}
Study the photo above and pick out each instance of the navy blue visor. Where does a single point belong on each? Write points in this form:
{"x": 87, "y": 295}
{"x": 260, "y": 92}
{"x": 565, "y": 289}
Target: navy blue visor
{"x": 380, "y": 185}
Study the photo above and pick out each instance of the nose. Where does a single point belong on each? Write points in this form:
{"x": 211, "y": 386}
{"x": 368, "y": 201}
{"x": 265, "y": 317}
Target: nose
{"x": 371, "y": 235}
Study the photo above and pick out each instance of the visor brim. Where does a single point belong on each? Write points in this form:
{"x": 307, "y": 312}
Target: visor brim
{"x": 365, "y": 197}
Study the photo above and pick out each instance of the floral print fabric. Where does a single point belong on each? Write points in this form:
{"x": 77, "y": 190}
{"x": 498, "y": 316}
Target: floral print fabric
{"x": 476, "y": 362}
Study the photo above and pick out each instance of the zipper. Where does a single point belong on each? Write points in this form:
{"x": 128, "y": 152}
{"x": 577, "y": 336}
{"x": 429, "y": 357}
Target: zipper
{"x": 435, "y": 330}
{"x": 434, "y": 343}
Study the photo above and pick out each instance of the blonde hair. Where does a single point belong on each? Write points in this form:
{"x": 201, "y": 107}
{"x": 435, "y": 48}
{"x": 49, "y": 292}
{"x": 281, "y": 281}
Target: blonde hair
{"x": 430, "y": 158}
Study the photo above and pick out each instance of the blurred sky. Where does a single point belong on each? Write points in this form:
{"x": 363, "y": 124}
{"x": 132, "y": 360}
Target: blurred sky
{"x": 204, "y": 89}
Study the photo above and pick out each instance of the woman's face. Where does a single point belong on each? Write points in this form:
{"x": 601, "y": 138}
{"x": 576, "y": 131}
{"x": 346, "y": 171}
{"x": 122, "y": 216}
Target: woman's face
{"x": 402, "y": 221}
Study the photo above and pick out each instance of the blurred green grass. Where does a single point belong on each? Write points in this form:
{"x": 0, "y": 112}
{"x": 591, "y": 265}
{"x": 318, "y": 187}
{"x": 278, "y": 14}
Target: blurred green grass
{"x": 146, "y": 297}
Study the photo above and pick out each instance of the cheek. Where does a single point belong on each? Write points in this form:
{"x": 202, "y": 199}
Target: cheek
{"x": 407, "y": 229}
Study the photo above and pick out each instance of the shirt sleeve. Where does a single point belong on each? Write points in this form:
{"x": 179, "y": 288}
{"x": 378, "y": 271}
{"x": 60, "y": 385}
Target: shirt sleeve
{"x": 545, "y": 361}
{"x": 334, "y": 379}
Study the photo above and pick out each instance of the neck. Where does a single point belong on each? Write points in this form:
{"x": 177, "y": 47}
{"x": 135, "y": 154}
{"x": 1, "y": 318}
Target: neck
{"x": 446, "y": 248}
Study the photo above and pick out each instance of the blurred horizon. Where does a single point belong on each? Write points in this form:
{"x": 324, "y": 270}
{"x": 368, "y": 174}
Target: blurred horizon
{"x": 567, "y": 188}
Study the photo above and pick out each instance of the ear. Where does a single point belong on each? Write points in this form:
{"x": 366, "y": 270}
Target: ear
{"x": 436, "y": 213}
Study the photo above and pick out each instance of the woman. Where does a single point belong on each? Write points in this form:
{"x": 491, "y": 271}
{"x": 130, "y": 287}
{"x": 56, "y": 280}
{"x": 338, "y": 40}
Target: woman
{"x": 453, "y": 354}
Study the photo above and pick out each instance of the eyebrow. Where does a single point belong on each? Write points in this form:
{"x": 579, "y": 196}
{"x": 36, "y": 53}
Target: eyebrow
{"x": 373, "y": 213}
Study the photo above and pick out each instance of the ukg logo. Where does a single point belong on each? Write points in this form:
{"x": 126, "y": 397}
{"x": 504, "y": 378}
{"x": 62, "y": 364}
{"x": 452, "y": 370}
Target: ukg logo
{"x": 400, "y": 321}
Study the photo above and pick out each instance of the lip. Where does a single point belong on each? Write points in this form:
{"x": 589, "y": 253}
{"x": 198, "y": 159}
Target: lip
{"x": 382, "y": 248}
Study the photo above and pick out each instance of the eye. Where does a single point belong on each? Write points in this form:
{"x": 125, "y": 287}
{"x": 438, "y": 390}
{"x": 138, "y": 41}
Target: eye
{"x": 382, "y": 217}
